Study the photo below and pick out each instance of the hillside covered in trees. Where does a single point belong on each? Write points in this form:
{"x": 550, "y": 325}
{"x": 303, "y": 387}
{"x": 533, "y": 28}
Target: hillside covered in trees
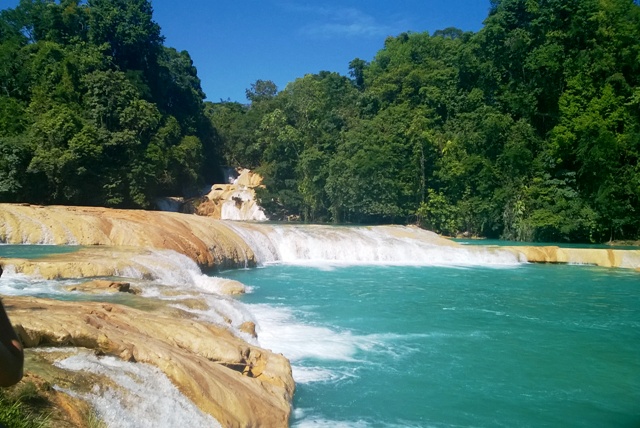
{"x": 528, "y": 129}
{"x": 94, "y": 109}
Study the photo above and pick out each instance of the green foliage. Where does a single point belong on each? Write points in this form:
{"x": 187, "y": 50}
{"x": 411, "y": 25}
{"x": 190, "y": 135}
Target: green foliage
{"x": 261, "y": 90}
{"x": 94, "y": 109}
{"x": 528, "y": 129}
{"x": 128, "y": 28}
{"x": 15, "y": 411}
{"x": 437, "y": 214}
{"x": 15, "y": 155}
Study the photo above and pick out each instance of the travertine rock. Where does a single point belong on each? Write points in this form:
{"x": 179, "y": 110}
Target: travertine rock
{"x": 210, "y": 243}
{"x": 87, "y": 262}
{"x": 629, "y": 259}
{"x": 238, "y": 384}
{"x": 101, "y": 285}
{"x": 234, "y": 201}
{"x": 249, "y": 327}
{"x": 231, "y": 287}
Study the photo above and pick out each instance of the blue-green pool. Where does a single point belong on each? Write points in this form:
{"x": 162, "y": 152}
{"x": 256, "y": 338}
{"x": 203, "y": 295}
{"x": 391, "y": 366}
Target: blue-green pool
{"x": 34, "y": 251}
{"x": 533, "y": 345}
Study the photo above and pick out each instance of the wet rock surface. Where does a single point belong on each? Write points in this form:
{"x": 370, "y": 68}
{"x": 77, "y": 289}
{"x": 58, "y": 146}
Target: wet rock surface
{"x": 237, "y": 383}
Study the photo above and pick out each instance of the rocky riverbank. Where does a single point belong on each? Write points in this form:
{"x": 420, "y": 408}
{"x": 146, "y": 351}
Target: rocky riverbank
{"x": 238, "y": 384}
{"x": 210, "y": 243}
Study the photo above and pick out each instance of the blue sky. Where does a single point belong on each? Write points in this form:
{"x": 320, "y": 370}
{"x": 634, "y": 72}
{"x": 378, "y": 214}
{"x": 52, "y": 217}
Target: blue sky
{"x": 234, "y": 43}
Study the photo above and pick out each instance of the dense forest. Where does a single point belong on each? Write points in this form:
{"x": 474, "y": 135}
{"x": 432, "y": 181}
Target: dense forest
{"x": 528, "y": 129}
{"x": 94, "y": 109}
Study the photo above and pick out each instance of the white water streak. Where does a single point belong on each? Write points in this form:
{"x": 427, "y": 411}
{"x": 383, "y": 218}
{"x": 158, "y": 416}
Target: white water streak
{"x": 182, "y": 275}
{"x": 246, "y": 209}
{"x": 386, "y": 245}
{"x": 129, "y": 405}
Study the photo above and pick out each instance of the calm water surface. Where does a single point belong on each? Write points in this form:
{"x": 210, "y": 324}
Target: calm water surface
{"x": 34, "y": 251}
{"x": 534, "y": 345}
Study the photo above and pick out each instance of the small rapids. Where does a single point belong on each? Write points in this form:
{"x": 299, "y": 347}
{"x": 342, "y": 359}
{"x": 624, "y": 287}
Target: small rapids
{"x": 159, "y": 274}
{"x": 379, "y": 245}
{"x": 127, "y": 402}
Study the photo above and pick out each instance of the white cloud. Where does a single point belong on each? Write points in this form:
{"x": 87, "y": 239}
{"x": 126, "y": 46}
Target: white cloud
{"x": 341, "y": 22}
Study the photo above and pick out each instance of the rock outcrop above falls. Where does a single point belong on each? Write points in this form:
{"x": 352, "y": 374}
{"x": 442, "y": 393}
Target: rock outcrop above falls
{"x": 234, "y": 201}
{"x": 210, "y": 243}
{"x": 238, "y": 384}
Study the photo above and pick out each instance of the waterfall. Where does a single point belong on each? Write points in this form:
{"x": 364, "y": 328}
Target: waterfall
{"x": 139, "y": 395}
{"x": 241, "y": 205}
{"x": 177, "y": 273}
{"x": 386, "y": 245}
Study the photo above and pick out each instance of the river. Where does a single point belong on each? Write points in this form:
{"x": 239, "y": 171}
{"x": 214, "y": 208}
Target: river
{"x": 383, "y": 333}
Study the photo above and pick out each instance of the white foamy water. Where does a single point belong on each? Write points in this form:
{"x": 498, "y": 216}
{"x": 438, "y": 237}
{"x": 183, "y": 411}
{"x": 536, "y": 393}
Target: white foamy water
{"x": 129, "y": 405}
{"x": 303, "y": 374}
{"x": 281, "y": 330}
{"x": 18, "y": 284}
{"x": 160, "y": 274}
{"x": 245, "y": 210}
{"x": 385, "y": 245}
{"x": 316, "y": 422}
{"x": 169, "y": 269}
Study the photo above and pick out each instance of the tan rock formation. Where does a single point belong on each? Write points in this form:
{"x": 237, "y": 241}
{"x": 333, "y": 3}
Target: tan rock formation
{"x": 210, "y": 243}
{"x": 249, "y": 327}
{"x": 231, "y": 287}
{"x": 87, "y": 262}
{"x": 248, "y": 178}
{"x": 238, "y": 384}
{"x": 629, "y": 259}
{"x": 101, "y": 286}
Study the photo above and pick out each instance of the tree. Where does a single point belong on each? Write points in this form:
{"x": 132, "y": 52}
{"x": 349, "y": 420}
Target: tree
{"x": 128, "y": 28}
{"x": 261, "y": 90}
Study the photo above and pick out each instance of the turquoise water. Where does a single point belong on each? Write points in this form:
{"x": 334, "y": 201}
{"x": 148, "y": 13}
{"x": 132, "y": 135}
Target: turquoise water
{"x": 34, "y": 251}
{"x": 534, "y": 345}
{"x": 12, "y": 284}
{"x": 375, "y": 346}
{"x": 500, "y": 242}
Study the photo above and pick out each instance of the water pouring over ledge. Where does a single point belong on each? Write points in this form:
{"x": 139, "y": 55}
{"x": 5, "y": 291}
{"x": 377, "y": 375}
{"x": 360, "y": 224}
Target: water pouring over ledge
{"x": 373, "y": 245}
{"x": 225, "y": 244}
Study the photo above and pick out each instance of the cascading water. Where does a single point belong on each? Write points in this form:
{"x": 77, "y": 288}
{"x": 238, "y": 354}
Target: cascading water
{"x": 160, "y": 274}
{"x": 138, "y": 395}
{"x": 242, "y": 206}
{"x": 127, "y": 403}
{"x": 172, "y": 270}
{"x": 382, "y": 245}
